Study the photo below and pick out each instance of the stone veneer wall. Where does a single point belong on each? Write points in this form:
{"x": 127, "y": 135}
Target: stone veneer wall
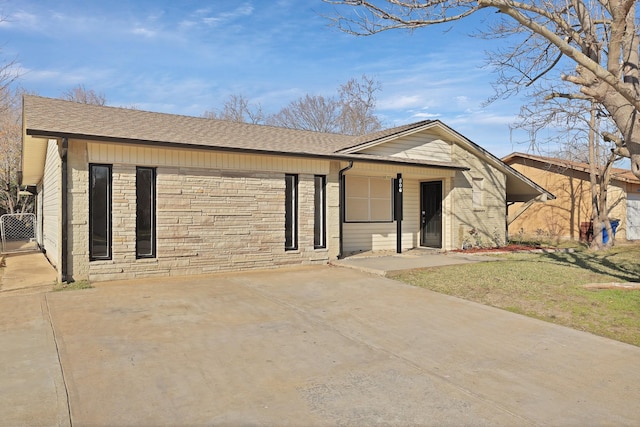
{"x": 209, "y": 221}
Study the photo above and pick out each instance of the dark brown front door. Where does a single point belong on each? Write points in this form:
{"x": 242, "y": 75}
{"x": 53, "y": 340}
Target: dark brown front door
{"x": 431, "y": 214}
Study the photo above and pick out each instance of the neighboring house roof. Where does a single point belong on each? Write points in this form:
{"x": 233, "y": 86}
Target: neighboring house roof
{"x": 54, "y": 118}
{"x": 617, "y": 174}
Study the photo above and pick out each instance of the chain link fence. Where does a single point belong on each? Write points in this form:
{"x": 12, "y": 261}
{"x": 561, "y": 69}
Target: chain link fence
{"x": 18, "y": 232}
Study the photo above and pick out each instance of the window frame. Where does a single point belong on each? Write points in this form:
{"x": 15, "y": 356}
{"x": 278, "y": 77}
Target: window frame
{"x": 320, "y": 212}
{"x": 109, "y": 207}
{"x": 368, "y": 199}
{"x": 291, "y": 212}
{"x": 477, "y": 193}
{"x": 152, "y": 215}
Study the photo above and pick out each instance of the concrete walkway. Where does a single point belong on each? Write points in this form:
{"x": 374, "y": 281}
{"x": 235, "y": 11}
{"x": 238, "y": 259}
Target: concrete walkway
{"x": 27, "y": 272}
{"x": 311, "y": 346}
{"x": 388, "y": 264}
{"x": 32, "y": 390}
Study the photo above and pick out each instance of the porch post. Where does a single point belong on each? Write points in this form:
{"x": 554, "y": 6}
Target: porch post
{"x": 397, "y": 211}
{"x": 63, "y": 149}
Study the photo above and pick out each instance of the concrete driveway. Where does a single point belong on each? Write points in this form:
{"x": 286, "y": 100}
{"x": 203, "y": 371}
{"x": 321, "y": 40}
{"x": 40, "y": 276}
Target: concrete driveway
{"x": 306, "y": 346}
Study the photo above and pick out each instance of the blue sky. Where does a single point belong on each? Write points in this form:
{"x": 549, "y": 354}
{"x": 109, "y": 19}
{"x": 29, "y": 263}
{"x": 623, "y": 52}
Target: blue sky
{"x": 186, "y": 57}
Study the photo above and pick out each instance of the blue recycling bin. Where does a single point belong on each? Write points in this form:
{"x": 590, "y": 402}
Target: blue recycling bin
{"x": 605, "y": 235}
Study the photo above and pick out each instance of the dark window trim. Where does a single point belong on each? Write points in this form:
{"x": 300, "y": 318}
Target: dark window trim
{"x": 294, "y": 219}
{"x": 109, "y": 233}
{"x": 153, "y": 213}
{"x": 320, "y": 238}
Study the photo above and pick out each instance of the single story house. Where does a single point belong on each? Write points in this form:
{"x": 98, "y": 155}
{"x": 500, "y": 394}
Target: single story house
{"x": 124, "y": 193}
{"x": 569, "y": 215}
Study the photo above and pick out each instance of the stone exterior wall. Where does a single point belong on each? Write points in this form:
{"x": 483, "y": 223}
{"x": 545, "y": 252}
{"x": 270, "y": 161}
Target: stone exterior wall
{"x": 209, "y": 221}
{"x": 77, "y": 212}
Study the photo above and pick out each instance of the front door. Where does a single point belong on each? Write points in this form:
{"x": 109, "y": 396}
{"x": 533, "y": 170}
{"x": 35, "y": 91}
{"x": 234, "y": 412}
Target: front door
{"x": 431, "y": 214}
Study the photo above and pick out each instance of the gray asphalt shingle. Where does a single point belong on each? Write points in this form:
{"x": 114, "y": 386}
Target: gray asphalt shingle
{"x": 47, "y": 117}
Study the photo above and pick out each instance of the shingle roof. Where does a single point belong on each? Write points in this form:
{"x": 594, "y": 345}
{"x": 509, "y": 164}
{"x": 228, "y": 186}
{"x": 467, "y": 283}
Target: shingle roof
{"x": 47, "y": 117}
{"x": 54, "y": 116}
{"x": 619, "y": 174}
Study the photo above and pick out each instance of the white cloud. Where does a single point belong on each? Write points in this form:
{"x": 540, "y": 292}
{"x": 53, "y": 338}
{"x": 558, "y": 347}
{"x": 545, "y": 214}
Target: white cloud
{"x": 424, "y": 116}
{"x": 187, "y": 24}
{"x": 145, "y": 32}
{"x": 399, "y": 102}
{"x": 21, "y": 19}
{"x": 207, "y": 16}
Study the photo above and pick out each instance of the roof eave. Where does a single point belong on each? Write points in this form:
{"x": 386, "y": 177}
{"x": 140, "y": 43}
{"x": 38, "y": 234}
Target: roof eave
{"x": 36, "y": 133}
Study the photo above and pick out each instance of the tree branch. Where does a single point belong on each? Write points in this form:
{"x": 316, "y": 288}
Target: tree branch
{"x": 510, "y": 8}
{"x": 574, "y": 96}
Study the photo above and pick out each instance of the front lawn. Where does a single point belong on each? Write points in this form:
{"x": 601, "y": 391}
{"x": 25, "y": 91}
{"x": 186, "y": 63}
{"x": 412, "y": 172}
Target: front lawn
{"x": 551, "y": 287}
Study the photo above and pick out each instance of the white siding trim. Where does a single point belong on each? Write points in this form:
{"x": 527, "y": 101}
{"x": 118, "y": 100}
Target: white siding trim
{"x": 51, "y": 202}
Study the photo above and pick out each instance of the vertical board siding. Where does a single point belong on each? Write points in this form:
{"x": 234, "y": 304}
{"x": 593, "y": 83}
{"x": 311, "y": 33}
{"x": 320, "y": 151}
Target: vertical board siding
{"x": 51, "y": 203}
{"x": 372, "y": 236}
{"x": 420, "y": 146}
{"x": 152, "y": 156}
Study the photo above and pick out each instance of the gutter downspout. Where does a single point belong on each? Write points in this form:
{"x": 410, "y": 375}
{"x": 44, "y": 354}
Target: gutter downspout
{"x": 342, "y": 202}
{"x": 63, "y": 149}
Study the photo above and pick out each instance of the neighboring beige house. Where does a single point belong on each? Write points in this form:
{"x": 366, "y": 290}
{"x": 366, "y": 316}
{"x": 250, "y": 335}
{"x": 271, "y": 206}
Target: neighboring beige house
{"x": 569, "y": 181}
{"x": 125, "y": 193}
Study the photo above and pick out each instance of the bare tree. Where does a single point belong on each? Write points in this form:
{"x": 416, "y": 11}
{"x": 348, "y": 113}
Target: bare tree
{"x": 315, "y": 113}
{"x": 8, "y": 75}
{"x": 10, "y": 141}
{"x": 10, "y": 152}
{"x": 237, "y": 108}
{"x": 600, "y": 165}
{"x": 351, "y": 112}
{"x": 357, "y": 106}
{"x": 84, "y": 96}
{"x": 599, "y": 38}
{"x": 579, "y": 126}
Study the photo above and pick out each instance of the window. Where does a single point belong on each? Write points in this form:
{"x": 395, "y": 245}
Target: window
{"x": 145, "y": 212}
{"x": 368, "y": 199}
{"x": 291, "y": 212}
{"x": 319, "y": 220}
{"x": 476, "y": 195}
{"x": 99, "y": 212}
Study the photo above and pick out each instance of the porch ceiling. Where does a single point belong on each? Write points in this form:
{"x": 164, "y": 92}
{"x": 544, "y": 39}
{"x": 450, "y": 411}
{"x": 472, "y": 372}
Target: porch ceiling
{"x": 34, "y": 152}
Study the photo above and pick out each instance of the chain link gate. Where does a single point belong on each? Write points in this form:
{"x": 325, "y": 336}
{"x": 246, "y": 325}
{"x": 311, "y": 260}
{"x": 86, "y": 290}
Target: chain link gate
{"x": 18, "y": 232}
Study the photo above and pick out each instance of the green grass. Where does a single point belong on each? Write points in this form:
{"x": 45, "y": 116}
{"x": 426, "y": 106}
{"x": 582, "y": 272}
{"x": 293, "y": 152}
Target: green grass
{"x": 551, "y": 287}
